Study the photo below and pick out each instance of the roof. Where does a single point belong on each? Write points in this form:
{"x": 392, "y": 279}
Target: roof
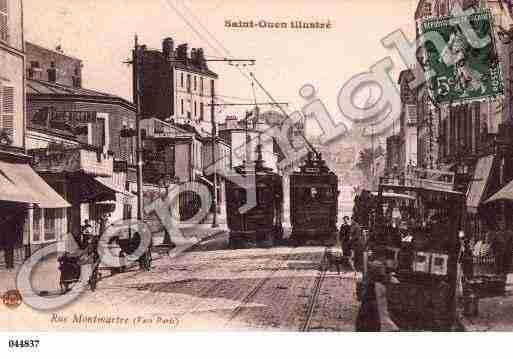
{"x": 29, "y": 44}
{"x": 192, "y": 68}
{"x": 180, "y": 64}
{"x": 45, "y": 88}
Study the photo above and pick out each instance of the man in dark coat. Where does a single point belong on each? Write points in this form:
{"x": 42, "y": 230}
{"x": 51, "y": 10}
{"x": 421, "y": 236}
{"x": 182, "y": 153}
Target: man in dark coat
{"x": 10, "y": 236}
{"x": 344, "y": 236}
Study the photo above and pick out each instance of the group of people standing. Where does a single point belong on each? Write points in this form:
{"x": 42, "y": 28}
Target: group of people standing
{"x": 352, "y": 241}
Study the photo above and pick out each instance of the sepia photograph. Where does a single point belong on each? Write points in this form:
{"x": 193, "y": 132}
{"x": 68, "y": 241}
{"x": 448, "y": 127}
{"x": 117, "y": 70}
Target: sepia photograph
{"x": 178, "y": 166}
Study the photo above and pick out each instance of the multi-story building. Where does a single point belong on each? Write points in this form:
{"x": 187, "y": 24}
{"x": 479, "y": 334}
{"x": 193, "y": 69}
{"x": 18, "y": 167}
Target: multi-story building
{"x": 464, "y": 138}
{"x": 177, "y": 153}
{"x": 407, "y": 122}
{"x": 176, "y": 85}
{"x": 21, "y": 189}
{"x": 176, "y": 93}
{"x": 81, "y": 144}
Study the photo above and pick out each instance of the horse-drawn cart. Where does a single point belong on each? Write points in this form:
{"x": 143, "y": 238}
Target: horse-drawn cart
{"x": 118, "y": 250}
{"x": 419, "y": 247}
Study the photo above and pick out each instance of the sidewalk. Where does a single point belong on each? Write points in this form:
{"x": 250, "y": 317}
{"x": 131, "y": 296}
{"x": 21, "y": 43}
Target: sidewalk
{"x": 46, "y": 274}
{"x": 495, "y": 314}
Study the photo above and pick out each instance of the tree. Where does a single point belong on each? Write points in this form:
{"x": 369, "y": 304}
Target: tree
{"x": 366, "y": 158}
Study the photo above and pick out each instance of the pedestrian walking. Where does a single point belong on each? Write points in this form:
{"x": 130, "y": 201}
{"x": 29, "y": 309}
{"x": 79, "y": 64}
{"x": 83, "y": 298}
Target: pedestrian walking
{"x": 344, "y": 236}
{"x": 373, "y": 315}
{"x": 357, "y": 245}
{"x": 466, "y": 261}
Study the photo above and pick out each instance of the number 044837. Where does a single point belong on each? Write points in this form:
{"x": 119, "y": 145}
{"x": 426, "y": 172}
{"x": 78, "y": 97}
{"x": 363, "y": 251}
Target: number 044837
{"x": 23, "y": 343}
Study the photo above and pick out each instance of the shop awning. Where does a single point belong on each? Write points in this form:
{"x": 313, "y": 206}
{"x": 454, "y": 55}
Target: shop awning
{"x": 506, "y": 193}
{"x": 99, "y": 189}
{"x": 107, "y": 182}
{"x": 20, "y": 183}
{"x": 478, "y": 185}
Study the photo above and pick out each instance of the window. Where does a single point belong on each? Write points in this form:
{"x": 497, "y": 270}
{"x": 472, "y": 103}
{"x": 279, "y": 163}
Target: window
{"x": 4, "y": 22}
{"x": 181, "y": 81}
{"x": 202, "y": 110}
{"x": 182, "y": 106}
{"x": 98, "y": 133}
{"x": 49, "y": 223}
{"x": 195, "y": 112}
{"x": 127, "y": 211}
{"x": 37, "y": 224}
{"x": 195, "y": 84}
{"x": 189, "y": 83}
{"x": 6, "y": 114}
{"x": 201, "y": 86}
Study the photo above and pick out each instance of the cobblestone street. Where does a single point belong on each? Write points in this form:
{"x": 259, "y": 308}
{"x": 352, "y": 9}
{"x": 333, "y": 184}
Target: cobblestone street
{"x": 211, "y": 287}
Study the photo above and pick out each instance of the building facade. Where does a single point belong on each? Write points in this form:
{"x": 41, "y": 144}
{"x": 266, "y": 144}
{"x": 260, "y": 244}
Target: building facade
{"x": 22, "y": 191}
{"x": 82, "y": 143}
{"x": 177, "y": 84}
{"x": 471, "y": 139}
{"x": 175, "y": 154}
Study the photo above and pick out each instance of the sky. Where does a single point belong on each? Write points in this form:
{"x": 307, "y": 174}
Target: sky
{"x": 101, "y": 33}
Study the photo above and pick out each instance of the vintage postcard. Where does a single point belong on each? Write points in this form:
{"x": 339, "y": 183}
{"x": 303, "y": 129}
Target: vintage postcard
{"x": 222, "y": 165}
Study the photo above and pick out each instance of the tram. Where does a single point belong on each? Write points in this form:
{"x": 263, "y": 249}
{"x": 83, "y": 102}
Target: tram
{"x": 261, "y": 225}
{"x": 313, "y": 202}
{"x": 419, "y": 245}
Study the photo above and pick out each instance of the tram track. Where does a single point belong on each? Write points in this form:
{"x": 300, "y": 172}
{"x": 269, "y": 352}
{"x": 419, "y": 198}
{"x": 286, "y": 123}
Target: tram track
{"x": 207, "y": 292}
{"x": 248, "y": 297}
{"x": 315, "y": 294}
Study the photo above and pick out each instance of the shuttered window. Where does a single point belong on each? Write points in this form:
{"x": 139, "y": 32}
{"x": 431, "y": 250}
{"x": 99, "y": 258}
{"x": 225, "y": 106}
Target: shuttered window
{"x": 99, "y": 133}
{"x": 7, "y": 111}
{"x": 4, "y": 29}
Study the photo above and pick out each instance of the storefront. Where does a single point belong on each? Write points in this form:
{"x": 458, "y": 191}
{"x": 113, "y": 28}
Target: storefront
{"x": 23, "y": 193}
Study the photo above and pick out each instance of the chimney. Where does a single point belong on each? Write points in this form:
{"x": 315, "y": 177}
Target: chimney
{"x": 182, "y": 52}
{"x": 168, "y": 48}
{"x": 194, "y": 58}
{"x": 202, "y": 63}
{"x": 52, "y": 72}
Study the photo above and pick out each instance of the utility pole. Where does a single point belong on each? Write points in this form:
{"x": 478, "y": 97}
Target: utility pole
{"x": 214, "y": 162}
{"x": 136, "y": 76}
{"x": 214, "y": 131}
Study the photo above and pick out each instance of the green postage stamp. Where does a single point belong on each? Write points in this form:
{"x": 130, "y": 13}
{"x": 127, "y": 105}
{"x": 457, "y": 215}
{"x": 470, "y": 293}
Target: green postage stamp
{"x": 464, "y": 67}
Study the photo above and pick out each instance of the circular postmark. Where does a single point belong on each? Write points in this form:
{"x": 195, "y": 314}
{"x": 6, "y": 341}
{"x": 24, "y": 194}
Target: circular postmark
{"x": 12, "y": 299}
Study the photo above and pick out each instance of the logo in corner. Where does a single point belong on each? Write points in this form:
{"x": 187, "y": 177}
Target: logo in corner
{"x": 12, "y": 299}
